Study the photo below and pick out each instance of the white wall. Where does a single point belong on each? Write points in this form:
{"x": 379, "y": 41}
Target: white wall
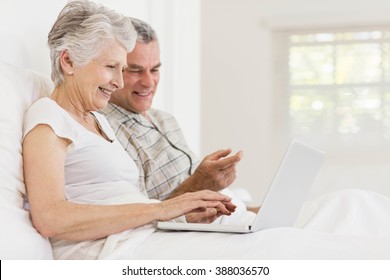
{"x": 24, "y": 35}
{"x": 238, "y": 86}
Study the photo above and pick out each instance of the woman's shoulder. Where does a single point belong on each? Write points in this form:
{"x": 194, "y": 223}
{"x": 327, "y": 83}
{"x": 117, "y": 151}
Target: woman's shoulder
{"x": 44, "y": 105}
{"x": 47, "y": 111}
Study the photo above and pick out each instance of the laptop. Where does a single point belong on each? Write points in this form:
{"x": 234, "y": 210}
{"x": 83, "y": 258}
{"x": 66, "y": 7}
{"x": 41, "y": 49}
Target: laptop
{"x": 284, "y": 198}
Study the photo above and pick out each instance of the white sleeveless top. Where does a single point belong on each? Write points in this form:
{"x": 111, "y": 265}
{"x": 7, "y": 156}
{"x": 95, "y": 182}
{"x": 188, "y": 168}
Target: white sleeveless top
{"x": 97, "y": 171}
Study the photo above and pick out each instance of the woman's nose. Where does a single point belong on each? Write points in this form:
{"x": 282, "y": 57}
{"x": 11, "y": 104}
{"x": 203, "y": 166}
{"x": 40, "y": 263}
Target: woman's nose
{"x": 118, "y": 79}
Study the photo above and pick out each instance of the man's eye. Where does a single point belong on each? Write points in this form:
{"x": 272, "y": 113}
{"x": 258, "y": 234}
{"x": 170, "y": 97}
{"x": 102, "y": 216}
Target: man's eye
{"x": 134, "y": 71}
{"x": 111, "y": 66}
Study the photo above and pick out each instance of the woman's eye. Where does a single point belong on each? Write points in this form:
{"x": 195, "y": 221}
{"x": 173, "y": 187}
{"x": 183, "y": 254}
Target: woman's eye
{"x": 111, "y": 66}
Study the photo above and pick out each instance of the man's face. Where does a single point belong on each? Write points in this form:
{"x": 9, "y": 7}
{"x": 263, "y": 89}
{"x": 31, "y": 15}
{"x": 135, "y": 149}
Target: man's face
{"x": 140, "y": 78}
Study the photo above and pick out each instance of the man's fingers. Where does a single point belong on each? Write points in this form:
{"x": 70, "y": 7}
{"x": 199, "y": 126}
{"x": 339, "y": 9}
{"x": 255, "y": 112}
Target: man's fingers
{"x": 228, "y": 161}
{"x": 219, "y": 154}
{"x": 226, "y": 172}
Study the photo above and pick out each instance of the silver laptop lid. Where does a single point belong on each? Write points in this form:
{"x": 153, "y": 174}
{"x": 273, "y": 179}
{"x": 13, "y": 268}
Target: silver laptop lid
{"x": 289, "y": 187}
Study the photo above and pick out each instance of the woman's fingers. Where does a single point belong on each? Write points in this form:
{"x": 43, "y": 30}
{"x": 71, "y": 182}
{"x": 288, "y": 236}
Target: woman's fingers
{"x": 207, "y": 202}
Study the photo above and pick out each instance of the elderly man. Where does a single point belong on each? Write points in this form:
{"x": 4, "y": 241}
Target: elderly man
{"x": 153, "y": 138}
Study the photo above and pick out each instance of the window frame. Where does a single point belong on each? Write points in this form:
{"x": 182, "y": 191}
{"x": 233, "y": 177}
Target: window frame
{"x": 282, "y": 87}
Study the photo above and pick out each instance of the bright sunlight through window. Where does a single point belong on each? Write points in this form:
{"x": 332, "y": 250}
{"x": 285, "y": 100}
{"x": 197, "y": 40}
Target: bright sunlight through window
{"x": 340, "y": 85}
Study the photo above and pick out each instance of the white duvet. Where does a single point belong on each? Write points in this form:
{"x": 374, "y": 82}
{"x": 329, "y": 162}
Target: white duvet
{"x": 349, "y": 224}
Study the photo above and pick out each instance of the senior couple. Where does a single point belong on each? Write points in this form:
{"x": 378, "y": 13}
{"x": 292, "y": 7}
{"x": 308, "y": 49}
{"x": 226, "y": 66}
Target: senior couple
{"x": 101, "y": 167}
{"x": 84, "y": 189}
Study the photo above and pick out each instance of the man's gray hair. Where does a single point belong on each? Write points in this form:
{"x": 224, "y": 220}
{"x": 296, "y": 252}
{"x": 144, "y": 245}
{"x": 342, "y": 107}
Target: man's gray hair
{"x": 145, "y": 32}
{"x": 82, "y": 28}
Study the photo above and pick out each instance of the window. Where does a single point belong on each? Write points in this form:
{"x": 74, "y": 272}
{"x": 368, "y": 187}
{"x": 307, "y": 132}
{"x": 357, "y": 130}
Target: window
{"x": 339, "y": 87}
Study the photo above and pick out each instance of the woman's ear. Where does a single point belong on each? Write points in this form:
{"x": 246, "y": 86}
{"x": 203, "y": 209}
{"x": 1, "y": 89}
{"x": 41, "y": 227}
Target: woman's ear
{"x": 66, "y": 63}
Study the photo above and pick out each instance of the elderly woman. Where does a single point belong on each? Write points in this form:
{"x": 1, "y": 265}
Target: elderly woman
{"x": 81, "y": 183}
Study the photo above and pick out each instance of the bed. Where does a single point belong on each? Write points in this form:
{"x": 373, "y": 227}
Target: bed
{"x": 348, "y": 224}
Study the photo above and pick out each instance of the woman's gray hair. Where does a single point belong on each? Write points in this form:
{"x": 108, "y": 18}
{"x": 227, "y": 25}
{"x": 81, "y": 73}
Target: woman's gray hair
{"x": 145, "y": 32}
{"x": 82, "y": 28}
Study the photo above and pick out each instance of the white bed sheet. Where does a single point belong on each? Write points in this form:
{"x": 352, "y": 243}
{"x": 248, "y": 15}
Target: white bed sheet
{"x": 349, "y": 224}
{"x": 280, "y": 243}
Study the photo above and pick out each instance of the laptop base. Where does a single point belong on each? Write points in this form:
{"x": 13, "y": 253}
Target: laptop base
{"x": 204, "y": 227}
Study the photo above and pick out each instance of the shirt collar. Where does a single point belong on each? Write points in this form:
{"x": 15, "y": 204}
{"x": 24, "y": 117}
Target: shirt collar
{"x": 125, "y": 115}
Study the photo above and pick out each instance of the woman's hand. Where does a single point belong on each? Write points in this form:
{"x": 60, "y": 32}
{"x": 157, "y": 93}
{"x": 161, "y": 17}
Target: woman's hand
{"x": 204, "y": 204}
{"x": 209, "y": 215}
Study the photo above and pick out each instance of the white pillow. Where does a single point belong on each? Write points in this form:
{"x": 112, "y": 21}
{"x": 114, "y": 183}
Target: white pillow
{"x": 18, "y": 238}
{"x": 19, "y": 88}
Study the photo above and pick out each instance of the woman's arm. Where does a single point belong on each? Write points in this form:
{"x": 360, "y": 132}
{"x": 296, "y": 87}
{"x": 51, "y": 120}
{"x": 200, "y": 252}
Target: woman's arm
{"x": 44, "y": 156}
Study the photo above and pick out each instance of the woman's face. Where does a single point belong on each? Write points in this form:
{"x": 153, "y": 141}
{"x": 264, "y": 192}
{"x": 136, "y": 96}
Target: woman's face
{"x": 97, "y": 80}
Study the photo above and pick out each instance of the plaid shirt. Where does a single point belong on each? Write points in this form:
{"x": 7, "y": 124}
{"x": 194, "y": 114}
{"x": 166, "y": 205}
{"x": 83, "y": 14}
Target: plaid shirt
{"x": 158, "y": 148}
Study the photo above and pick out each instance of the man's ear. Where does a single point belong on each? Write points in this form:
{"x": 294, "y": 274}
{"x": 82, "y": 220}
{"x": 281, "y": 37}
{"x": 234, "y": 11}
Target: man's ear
{"x": 66, "y": 63}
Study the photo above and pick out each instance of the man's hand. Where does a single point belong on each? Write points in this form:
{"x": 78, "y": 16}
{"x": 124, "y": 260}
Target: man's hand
{"x": 216, "y": 172}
